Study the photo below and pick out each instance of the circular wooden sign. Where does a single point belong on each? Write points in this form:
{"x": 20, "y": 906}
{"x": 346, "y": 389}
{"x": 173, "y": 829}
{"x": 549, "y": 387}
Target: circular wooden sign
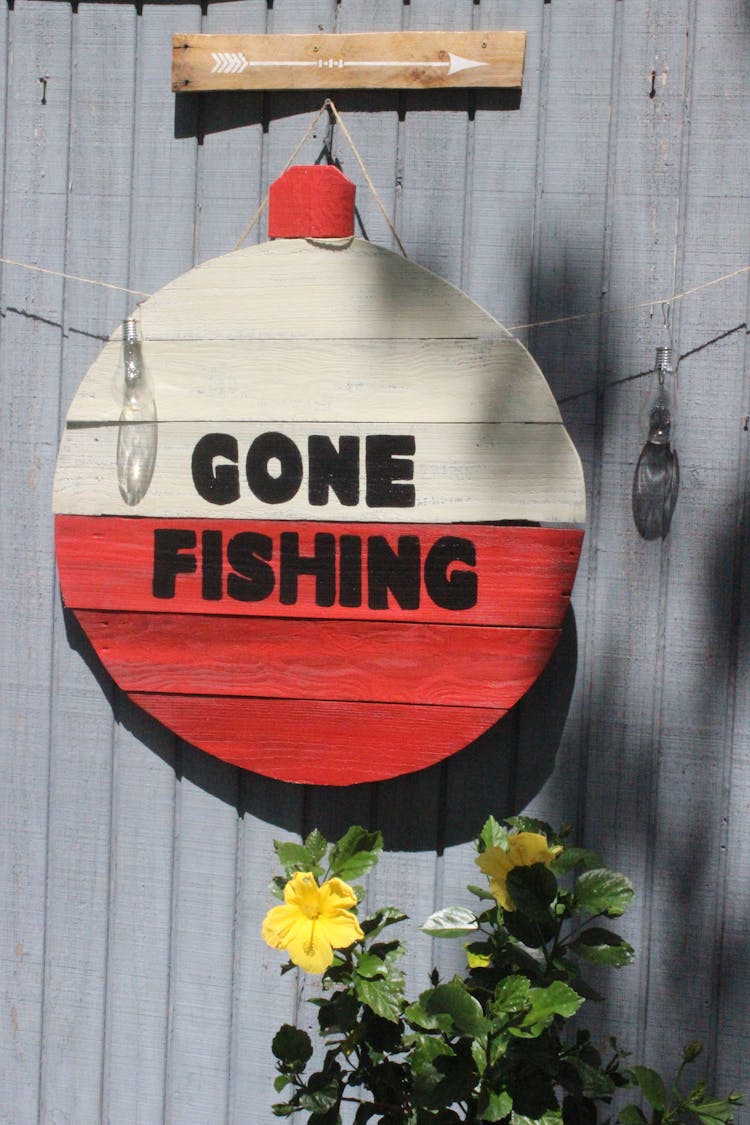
{"x": 357, "y": 545}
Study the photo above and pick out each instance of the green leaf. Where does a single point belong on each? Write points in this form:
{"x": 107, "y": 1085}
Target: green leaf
{"x": 388, "y": 916}
{"x": 531, "y": 824}
{"x": 425, "y": 1049}
{"x": 602, "y": 891}
{"x": 355, "y": 853}
{"x": 531, "y": 932}
{"x": 597, "y": 1083}
{"x": 479, "y": 1055}
{"x": 602, "y": 947}
{"x": 631, "y": 1115}
{"x": 493, "y": 1106}
{"x": 532, "y": 889}
{"x": 430, "y": 1021}
{"x": 339, "y": 1014}
{"x": 316, "y": 845}
{"x": 511, "y": 995}
{"x": 713, "y": 1111}
{"x": 478, "y": 954}
{"x": 552, "y": 1118}
{"x": 651, "y": 1085}
{"x": 453, "y": 921}
{"x": 281, "y": 1082}
{"x": 320, "y": 1095}
{"x": 480, "y": 892}
{"x": 575, "y": 857}
{"x": 369, "y": 965}
{"x": 493, "y": 835}
{"x": 557, "y": 999}
{"x": 281, "y": 1109}
{"x": 453, "y": 1000}
{"x": 384, "y": 995}
{"x": 276, "y": 887}
{"x": 292, "y": 1047}
{"x": 293, "y": 855}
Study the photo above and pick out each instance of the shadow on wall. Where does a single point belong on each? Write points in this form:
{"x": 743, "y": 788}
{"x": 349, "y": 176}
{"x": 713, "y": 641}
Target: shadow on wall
{"x": 198, "y": 115}
{"x": 485, "y": 772}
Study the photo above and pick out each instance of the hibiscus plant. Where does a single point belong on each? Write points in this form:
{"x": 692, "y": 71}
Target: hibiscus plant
{"x": 488, "y": 1045}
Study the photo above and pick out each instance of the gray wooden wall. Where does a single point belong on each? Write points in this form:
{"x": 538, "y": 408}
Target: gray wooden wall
{"x": 134, "y": 987}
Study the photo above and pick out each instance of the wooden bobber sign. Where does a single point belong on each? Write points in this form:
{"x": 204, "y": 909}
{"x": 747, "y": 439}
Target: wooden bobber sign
{"x": 326, "y": 525}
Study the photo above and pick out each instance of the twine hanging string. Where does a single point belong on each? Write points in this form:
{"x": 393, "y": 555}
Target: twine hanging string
{"x": 665, "y": 302}
{"x": 75, "y": 277}
{"x": 329, "y": 106}
{"x": 264, "y": 202}
{"x": 339, "y": 121}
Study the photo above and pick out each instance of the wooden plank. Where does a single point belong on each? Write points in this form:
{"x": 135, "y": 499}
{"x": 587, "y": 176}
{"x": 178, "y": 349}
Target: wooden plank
{"x": 464, "y": 473}
{"x": 230, "y": 144}
{"x": 79, "y": 923}
{"x": 380, "y": 730}
{"x": 525, "y": 574}
{"x": 371, "y": 60}
{"x": 368, "y": 661}
{"x": 488, "y": 379}
{"x": 155, "y": 200}
{"x": 292, "y": 288}
{"x": 626, "y": 615}
{"x": 35, "y": 41}
{"x": 705, "y": 603}
{"x": 230, "y": 167}
{"x": 435, "y": 157}
{"x": 433, "y": 173}
{"x": 573, "y": 217}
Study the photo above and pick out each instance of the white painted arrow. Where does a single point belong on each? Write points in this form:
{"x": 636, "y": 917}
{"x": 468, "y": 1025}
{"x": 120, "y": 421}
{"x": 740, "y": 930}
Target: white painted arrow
{"x": 227, "y": 62}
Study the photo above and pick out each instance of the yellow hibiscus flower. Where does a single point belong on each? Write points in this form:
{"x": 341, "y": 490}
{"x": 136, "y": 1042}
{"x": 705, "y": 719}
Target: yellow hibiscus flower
{"x": 313, "y": 921}
{"x": 524, "y": 849}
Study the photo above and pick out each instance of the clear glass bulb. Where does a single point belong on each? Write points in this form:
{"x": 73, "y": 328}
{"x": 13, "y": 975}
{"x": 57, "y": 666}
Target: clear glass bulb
{"x": 659, "y": 420}
{"x": 657, "y": 474}
{"x": 137, "y": 433}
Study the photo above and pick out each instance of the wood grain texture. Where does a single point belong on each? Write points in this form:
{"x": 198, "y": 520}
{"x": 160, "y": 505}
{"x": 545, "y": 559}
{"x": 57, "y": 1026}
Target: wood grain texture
{"x": 433, "y": 173}
{"x": 583, "y": 197}
{"x": 78, "y": 992}
{"x": 484, "y": 379}
{"x": 33, "y": 38}
{"x": 698, "y": 689}
{"x": 375, "y": 60}
{"x": 379, "y": 730}
{"x": 292, "y": 288}
{"x": 497, "y": 204}
{"x": 142, "y": 969}
{"x": 493, "y": 471}
{"x": 525, "y": 573}
{"x": 372, "y": 661}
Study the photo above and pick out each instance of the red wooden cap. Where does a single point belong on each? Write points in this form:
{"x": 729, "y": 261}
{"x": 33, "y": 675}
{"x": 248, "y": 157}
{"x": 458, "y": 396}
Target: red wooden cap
{"x": 311, "y": 201}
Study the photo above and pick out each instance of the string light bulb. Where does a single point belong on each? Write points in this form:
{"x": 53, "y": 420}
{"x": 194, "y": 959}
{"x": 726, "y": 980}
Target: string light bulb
{"x": 657, "y": 474}
{"x": 137, "y": 431}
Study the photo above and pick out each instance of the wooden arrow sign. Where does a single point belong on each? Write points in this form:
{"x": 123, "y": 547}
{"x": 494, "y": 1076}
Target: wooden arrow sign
{"x": 396, "y": 60}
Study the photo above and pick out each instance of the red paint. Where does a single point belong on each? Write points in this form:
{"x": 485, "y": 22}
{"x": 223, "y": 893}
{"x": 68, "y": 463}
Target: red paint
{"x": 525, "y": 573}
{"x": 326, "y": 660}
{"x": 320, "y": 743}
{"x": 311, "y": 201}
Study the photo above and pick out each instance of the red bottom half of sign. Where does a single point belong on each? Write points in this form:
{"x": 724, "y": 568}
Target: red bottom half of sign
{"x": 310, "y": 698}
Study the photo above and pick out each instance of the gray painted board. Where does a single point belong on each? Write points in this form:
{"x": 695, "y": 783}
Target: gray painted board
{"x": 134, "y": 984}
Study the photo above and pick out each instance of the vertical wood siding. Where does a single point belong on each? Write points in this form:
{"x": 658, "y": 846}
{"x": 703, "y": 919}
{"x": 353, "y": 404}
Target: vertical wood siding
{"x": 134, "y": 988}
